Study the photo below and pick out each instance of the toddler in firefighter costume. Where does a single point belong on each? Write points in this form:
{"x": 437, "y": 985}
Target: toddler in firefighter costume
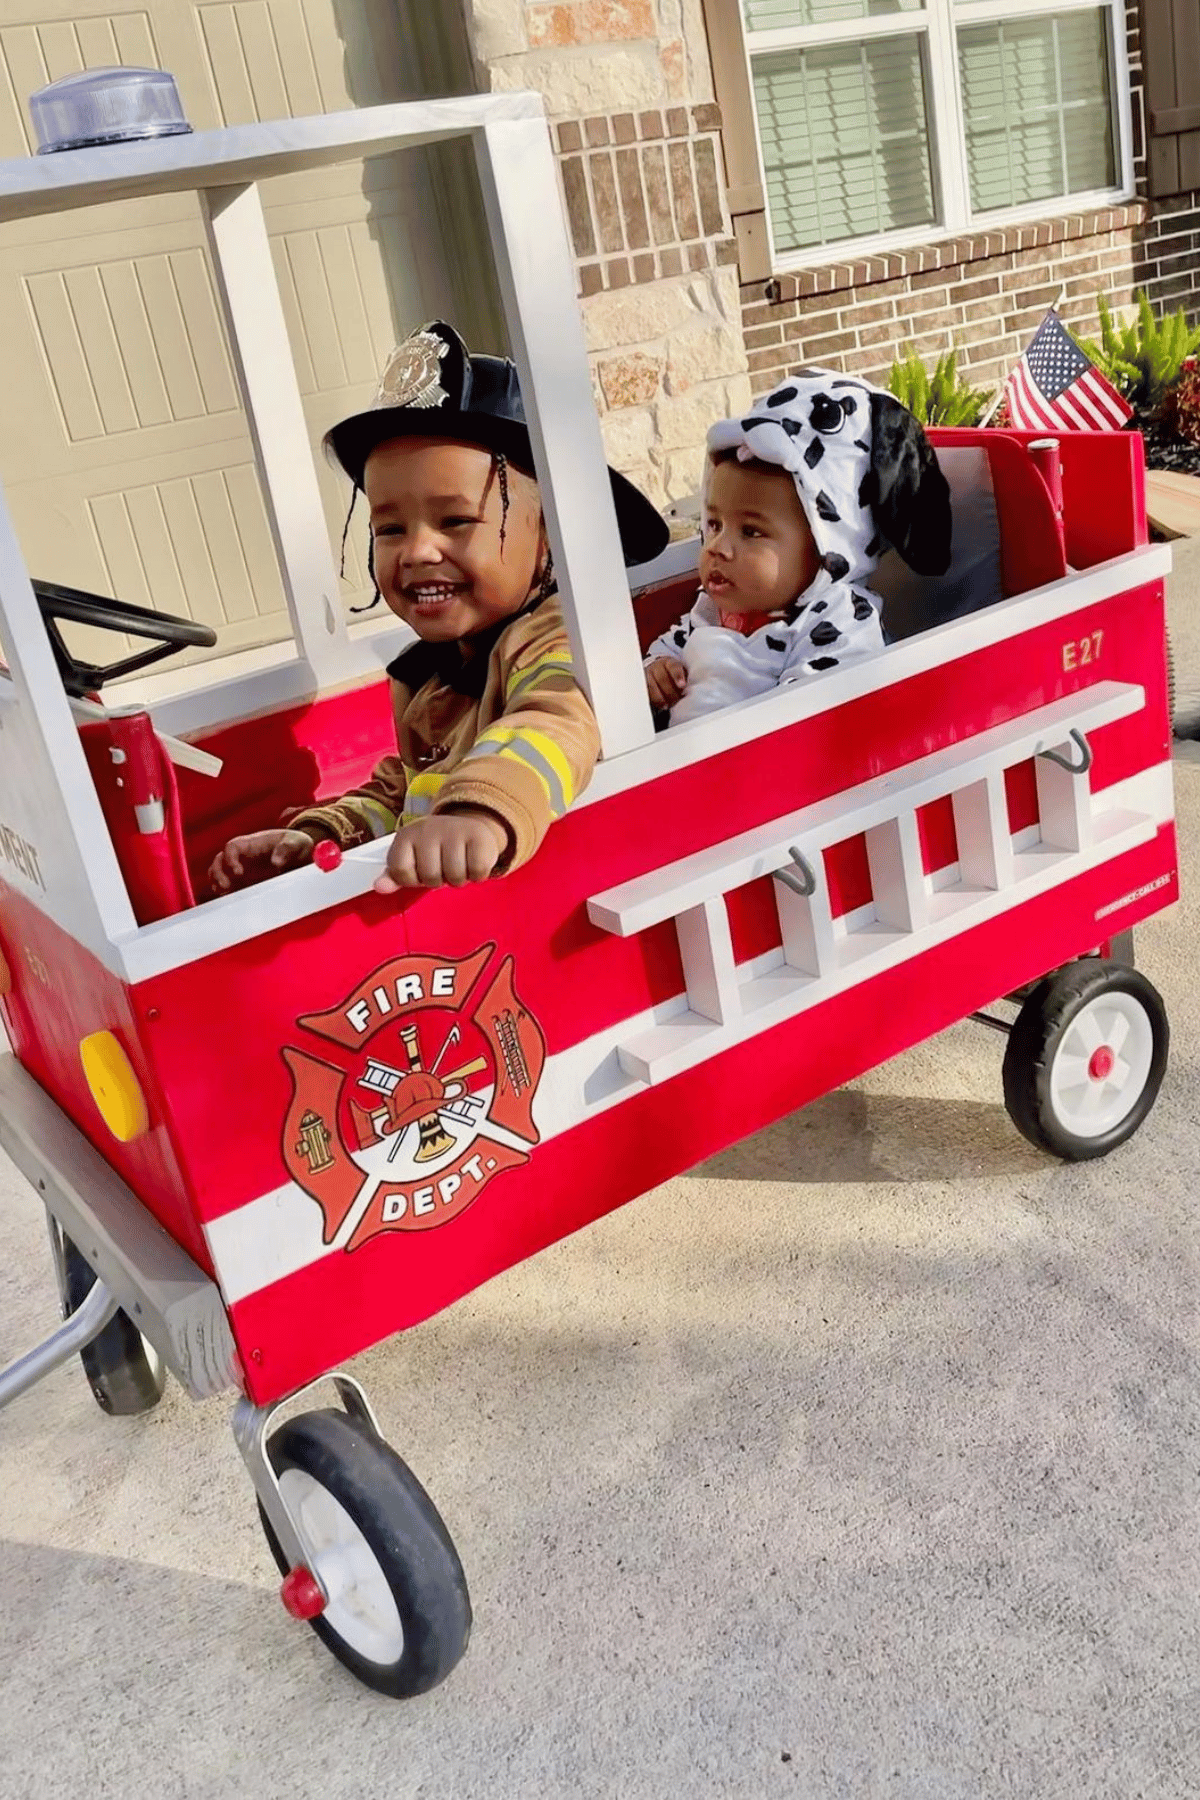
{"x": 495, "y": 740}
{"x": 802, "y": 497}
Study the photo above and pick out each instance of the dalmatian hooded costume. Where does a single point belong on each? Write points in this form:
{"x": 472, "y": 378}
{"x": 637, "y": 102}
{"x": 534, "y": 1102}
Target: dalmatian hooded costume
{"x": 867, "y": 478}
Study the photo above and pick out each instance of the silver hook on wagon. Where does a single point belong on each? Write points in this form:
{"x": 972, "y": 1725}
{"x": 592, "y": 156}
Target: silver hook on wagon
{"x": 1081, "y": 767}
{"x": 805, "y": 883}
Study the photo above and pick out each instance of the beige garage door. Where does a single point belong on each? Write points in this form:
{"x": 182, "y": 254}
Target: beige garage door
{"x": 123, "y": 448}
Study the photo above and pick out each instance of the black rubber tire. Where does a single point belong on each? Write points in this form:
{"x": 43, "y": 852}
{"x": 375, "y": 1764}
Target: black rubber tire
{"x": 1034, "y": 1041}
{"x": 123, "y": 1378}
{"x": 407, "y": 1536}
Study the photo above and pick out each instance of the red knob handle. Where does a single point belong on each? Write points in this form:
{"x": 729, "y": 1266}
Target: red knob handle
{"x": 301, "y": 1594}
{"x": 327, "y": 855}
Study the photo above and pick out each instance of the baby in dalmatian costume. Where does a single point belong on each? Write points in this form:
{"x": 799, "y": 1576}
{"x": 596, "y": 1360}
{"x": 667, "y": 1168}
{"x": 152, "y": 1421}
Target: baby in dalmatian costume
{"x": 802, "y": 497}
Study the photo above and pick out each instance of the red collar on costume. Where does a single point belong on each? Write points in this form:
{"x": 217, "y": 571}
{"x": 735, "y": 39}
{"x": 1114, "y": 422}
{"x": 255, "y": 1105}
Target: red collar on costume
{"x": 746, "y": 623}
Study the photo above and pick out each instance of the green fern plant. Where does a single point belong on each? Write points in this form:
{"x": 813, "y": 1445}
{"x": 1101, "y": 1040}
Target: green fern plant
{"x": 1143, "y": 358}
{"x": 943, "y": 398}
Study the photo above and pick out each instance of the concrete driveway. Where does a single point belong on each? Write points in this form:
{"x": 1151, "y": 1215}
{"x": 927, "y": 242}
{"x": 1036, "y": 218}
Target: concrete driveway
{"x": 862, "y": 1462}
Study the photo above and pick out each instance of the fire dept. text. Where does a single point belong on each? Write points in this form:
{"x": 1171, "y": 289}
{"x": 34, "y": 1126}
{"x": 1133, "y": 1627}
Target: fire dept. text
{"x": 405, "y": 991}
{"x": 424, "y": 1199}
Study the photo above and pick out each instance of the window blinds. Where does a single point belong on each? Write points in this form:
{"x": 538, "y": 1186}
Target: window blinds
{"x": 845, "y": 140}
{"x": 1037, "y": 108}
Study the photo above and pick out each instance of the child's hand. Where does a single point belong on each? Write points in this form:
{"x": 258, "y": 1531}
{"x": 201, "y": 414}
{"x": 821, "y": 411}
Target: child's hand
{"x": 666, "y": 680}
{"x": 258, "y": 856}
{"x": 447, "y": 849}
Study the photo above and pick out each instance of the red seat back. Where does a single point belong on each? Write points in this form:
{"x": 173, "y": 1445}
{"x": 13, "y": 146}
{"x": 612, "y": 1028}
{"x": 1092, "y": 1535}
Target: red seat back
{"x": 659, "y": 606}
{"x": 1031, "y": 552}
{"x": 280, "y": 761}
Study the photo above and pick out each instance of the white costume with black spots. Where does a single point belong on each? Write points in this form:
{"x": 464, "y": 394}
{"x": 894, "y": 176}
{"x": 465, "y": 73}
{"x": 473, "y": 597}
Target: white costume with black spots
{"x": 866, "y": 477}
{"x": 834, "y": 625}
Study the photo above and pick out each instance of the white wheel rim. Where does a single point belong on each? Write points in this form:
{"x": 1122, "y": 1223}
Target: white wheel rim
{"x": 361, "y": 1607}
{"x": 1101, "y": 1065}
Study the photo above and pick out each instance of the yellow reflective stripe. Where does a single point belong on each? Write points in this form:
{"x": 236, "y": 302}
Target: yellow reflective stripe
{"x": 422, "y": 794}
{"x": 555, "y": 756}
{"x": 377, "y": 818}
{"x": 544, "y": 760}
{"x": 555, "y": 662}
{"x": 537, "y": 753}
{"x": 529, "y": 761}
{"x": 491, "y": 741}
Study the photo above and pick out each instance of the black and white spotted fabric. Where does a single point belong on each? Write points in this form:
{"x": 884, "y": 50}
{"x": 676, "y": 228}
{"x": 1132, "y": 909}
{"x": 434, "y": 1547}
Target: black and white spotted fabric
{"x": 840, "y": 626}
{"x": 866, "y": 477}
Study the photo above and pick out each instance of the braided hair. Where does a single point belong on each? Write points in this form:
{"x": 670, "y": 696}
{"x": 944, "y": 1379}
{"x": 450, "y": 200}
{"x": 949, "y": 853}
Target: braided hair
{"x": 376, "y": 596}
{"x": 500, "y": 463}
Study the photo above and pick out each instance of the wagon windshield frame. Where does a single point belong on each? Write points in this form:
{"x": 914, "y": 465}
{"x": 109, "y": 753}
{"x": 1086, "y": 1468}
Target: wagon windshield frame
{"x": 536, "y": 280}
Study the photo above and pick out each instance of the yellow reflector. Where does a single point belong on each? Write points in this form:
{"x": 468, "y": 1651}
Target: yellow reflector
{"x": 5, "y": 977}
{"x": 114, "y": 1086}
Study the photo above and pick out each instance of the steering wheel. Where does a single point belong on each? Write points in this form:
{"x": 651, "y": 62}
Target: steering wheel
{"x": 81, "y": 608}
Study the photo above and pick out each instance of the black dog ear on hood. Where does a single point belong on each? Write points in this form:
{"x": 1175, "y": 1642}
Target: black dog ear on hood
{"x": 907, "y": 492}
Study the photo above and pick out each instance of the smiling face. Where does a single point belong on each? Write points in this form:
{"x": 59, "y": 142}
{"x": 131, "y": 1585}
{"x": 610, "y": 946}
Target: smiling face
{"x": 758, "y": 552}
{"x": 436, "y": 512}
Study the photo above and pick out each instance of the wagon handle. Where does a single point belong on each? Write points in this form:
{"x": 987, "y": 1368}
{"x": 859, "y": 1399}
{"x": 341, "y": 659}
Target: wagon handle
{"x": 804, "y": 884}
{"x": 1064, "y": 762}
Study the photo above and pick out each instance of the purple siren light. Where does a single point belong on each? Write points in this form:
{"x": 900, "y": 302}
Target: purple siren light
{"x": 106, "y": 106}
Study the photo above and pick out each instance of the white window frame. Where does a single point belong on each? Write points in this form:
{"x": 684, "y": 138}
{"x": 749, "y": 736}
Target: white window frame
{"x": 937, "y": 23}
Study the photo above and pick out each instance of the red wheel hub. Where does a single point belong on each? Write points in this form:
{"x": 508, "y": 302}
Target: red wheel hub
{"x": 301, "y": 1594}
{"x": 1102, "y": 1063}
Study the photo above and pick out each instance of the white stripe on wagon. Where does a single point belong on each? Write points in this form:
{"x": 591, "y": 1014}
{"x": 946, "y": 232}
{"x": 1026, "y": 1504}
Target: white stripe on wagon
{"x": 279, "y": 1234}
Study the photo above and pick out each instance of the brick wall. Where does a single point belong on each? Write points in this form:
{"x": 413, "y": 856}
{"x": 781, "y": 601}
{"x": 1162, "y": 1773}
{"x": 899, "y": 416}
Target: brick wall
{"x": 658, "y": 287}
{"x": 982, "y": 294}
{"x": 643, "y": 194}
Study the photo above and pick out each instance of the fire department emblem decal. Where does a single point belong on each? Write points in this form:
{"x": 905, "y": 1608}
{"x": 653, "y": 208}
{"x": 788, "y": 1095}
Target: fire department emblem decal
{"x": 429, "y": 1096}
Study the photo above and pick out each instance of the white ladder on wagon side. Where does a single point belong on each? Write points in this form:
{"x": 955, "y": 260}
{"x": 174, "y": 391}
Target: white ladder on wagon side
{"x": 819, "y": 957}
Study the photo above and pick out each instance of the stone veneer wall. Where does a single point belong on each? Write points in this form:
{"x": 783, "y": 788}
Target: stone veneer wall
{"x": 658, "y": 286}
{"x": 638, "y": 142}
{"x": 985, "y": 293}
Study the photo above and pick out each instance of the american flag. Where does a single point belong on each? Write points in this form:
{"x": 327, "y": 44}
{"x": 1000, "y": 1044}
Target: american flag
{"x": 1055, "y": 387}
